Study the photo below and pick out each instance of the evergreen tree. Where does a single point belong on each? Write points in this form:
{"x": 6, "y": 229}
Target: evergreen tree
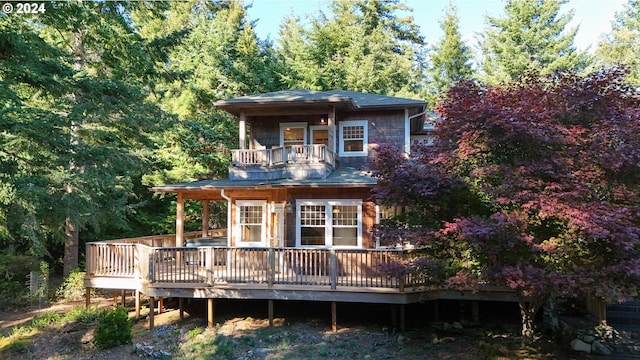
{"x": 450, "y": 57}
{"x": 622, "y": 45}
{"x": 531, "y": 37}
{"x": 362, "y": 46}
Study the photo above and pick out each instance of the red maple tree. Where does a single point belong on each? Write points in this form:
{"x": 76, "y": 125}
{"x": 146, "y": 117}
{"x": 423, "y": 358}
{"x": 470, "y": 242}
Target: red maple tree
{"x": 533, "y": 185}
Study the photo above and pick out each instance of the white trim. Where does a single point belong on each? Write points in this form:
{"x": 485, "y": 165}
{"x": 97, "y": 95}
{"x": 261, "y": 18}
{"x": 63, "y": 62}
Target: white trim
{"x": 302, "y": 125}
{"x": 263, "y": 230}
{"x": 328, "y": 242}
{"x": 365, "y": 145}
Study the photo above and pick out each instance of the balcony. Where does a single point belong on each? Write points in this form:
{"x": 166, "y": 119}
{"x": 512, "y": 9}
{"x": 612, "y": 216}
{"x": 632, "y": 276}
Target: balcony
{"x": 288, "y": 162}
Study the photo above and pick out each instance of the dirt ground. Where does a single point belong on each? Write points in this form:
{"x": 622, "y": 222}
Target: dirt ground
{"x": 242, "y": 332}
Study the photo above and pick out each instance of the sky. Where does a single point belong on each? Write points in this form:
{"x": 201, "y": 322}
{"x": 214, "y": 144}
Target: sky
{"x": 593, "y": 17}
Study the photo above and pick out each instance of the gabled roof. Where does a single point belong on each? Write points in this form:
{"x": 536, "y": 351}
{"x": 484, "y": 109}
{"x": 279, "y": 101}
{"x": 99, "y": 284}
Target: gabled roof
{"x": 349, "y": 100}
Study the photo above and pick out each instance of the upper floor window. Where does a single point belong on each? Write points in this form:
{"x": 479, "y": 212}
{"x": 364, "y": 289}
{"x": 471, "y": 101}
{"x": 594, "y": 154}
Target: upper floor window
{"x": 353, "y": 138}
{"x": 293, "y": 134}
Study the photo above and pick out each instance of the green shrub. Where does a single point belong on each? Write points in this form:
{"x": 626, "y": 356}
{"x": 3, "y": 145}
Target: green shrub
{"x": 13, "y": 275}
{"x": 114, "y": 328}
{"x": 72, "y": 288}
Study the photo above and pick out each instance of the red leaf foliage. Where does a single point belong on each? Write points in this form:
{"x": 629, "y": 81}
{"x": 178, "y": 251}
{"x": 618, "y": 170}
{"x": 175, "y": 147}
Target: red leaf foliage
{"x": 534, "y": 186}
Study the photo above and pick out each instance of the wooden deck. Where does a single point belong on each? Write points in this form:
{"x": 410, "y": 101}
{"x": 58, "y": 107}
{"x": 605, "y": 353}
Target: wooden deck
{"x": 155, "y": 267}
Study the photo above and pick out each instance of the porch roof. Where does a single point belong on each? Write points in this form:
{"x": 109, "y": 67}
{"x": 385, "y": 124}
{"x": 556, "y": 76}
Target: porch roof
{"x": 341, "y": 177}
{"x": 349, "y": 100}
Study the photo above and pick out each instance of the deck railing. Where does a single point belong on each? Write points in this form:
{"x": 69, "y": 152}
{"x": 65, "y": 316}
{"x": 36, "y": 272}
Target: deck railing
{"x": 283, "y": 155}
{"x": 209, "y": 266}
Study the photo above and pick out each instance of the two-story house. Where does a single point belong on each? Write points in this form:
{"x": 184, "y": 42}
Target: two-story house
{"x": 299, "y": 178}
{"x": 300, "y": 215}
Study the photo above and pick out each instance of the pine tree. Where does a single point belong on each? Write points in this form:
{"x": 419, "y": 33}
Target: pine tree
{"x": 531, "y": 37}
{"x": 622, "y": 45}
{"x": 362, "y": 45}
{"x": 450, "y": 57}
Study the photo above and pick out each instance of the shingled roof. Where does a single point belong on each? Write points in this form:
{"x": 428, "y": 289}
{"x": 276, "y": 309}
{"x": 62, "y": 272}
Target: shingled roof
{"x": 297, "y": 97}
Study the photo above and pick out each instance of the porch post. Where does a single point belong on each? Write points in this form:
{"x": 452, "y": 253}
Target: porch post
{"x": 270, "y": 311}
{"x": 180, "y": 221}
{"x": 242, "y": 131}
{"x": 205, "y": 218}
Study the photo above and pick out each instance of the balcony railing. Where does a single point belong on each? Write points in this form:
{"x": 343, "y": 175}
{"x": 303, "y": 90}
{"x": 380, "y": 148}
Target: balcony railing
{"x": 277, "y": 156}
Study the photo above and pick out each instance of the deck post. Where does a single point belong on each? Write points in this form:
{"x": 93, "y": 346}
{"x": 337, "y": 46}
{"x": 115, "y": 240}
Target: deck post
{"x": 123, "y": 297}
{"x": 137, "y": 304}
{"x": 115, "y": 298}
{"x": 475, "y": 311}
{"x": 333, "y": 269}
{"x": 334, "y": 317}
{"x": 394, "y": 315}
{"x": 271, "y": 268}
{"x": 87, "y": 297}
{"x": 402, "y": 319}
{"x": 152, "y": 310}
{"x": 436, "y": 310}
{"x": 210, "y": 312}
{"x": 160, "y": 305}
{"x": 181, "y": 308}
{"x": 270, "y": 310}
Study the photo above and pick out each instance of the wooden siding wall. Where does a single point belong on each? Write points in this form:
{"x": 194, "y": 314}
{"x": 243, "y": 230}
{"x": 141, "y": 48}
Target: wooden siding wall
{"x": 265, "y": 130}
{"x": 368, "y": 210}
{"x": 384, "y": 127}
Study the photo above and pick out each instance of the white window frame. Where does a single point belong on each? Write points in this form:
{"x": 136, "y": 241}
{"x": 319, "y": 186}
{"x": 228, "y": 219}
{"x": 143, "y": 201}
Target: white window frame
{"x": 319, "y": 127}
{"x": 292, "y": 125}
{"x": 365, "y": 140}
{"x": 328, "y": 241}
{"x": 238, "y": 227}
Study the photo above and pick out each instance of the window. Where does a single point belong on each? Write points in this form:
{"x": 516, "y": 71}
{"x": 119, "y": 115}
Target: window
{"x": 312, "y": 225}
{"x": 293, "y": 134}
{"x": 329, "y": 223}
{"x": 251, "y": 223}
{"x": 353, "y": 138}
{"x": 320, "y": 135}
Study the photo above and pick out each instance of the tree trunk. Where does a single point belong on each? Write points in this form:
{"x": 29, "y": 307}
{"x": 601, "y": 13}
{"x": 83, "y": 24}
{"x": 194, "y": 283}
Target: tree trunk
{"x": 71, "y": 248}
{"x": 528, "y": 310}
{"x": 73, "y": 237}
{"x": 528, "y": 316}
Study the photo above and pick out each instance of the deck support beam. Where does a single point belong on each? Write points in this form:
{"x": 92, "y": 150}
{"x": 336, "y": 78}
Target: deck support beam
{"x": 123, "y": 296}
{"x": 210, "y": 312}
{"x": 152, "y": 310}
{"x": 270, "y": 311}
{"x": 402, "y": 319}
{"x": 475, "y": 311}
{"x": 334, "y": 317}
{"x": 87, "y": 297}
{"x": 181, "y": 308}
{"x": 137, "y": 304}
{"x": 160, "y": 305}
